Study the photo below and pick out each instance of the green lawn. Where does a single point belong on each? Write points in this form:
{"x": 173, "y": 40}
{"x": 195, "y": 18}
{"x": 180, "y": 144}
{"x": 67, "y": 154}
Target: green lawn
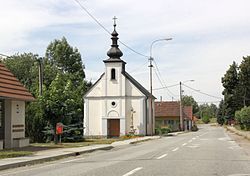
{"x": 12, "y": 153}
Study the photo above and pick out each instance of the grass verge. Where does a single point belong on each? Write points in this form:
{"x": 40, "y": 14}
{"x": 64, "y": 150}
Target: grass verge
{"x": 13, "y": 154}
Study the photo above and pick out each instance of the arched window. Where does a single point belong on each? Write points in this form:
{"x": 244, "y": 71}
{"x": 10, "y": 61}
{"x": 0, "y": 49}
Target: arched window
{"x": 112, "y": 73}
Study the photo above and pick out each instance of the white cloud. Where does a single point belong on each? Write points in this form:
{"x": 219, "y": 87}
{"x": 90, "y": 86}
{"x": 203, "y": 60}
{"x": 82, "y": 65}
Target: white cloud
{"x": 208, "y": 35}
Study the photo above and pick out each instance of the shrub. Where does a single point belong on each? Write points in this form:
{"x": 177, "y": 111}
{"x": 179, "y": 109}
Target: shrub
{"x": 162, "y": 130}
{"x": 243, "y": 118}
{"x": 194, "y": 128}
{"x": 206, "y": 119}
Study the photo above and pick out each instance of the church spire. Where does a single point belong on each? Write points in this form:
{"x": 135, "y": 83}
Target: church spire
{"x": 114, "y": 52}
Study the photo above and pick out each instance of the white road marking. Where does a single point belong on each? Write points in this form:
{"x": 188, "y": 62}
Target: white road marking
{"x": 133, "y": 171}
{"x": 184, "y": 144}
{"x": 175, "y": 149}
{"x": 190, "y": 140}
{"x": 194, "y": 138}
{"x": 68, "y": 161}
{"x": 162, "y": 156}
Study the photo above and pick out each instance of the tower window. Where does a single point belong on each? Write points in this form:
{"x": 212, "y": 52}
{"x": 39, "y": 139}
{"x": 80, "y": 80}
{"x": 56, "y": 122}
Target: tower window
{"x": 112, "y": 73}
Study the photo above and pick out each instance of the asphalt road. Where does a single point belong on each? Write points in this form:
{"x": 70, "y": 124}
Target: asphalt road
{"x": 208, "y": 152}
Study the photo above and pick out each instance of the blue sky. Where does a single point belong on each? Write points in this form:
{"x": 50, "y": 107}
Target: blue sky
{"x": 207, "y": 36}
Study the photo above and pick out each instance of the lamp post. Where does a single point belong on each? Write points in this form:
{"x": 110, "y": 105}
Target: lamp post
{"x": 181, "y": 107}
{"x": 151, "y": 83}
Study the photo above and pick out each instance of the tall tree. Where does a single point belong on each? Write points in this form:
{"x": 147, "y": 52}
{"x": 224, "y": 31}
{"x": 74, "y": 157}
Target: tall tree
{"x": 190, "y": 101}
{"x": 244, "y": 81}
{"x": 220, "y": 113}
{"x": 65, "y": 57}
{"x": 230, "y": 82}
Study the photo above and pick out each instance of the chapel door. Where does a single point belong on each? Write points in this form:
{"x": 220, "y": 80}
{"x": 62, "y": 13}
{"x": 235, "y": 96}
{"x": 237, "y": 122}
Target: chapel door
{"x": 113, "y": 127}
{"x": 1, "y": 119}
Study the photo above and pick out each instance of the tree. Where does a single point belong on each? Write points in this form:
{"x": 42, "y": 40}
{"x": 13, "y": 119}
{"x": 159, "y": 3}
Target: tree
{"x": 63, "y": 99}
{"x": 25, "y": 68}
{"x": 63, "y": 88}
{"x": 220, "y": 113}
{"x": 64, "y": 57}
{"x": 244, "y": 81}
{"x": 243, "y": 118}
{"x": 207, "y": 110}
{"x": 232, "y": 99}
{"x": 189, "y": 101}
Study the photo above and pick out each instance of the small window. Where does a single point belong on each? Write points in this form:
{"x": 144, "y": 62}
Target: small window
{"x": 112, "y": 73}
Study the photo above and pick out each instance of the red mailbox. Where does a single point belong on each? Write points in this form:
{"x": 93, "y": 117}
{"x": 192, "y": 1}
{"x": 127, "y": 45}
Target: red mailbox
{"x": 59, "y": 128}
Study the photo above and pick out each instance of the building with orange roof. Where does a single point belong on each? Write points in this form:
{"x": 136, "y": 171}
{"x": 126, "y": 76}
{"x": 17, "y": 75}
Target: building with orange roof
{"x": 167, "y": 113}
{"x": 13, "y": 96}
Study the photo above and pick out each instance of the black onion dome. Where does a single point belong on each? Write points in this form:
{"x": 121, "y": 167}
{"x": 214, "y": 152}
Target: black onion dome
{"x": 114, "y": 51}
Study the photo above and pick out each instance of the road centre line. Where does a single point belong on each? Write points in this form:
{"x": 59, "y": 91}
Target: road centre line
{"x": 133, "y": 171}
{"x": 184, "y": 144}
{"x": 175, "y": 149}
{"x": 162, "y": 156}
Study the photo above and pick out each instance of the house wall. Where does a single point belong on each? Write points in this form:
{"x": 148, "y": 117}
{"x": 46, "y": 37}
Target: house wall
{"x": 172, "y": 122}
{"x": 93, "y": 122}
{"x": 14, "y": 122}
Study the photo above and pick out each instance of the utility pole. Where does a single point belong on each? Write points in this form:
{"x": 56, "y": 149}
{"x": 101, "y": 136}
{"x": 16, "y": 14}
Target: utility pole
{"x": 151, "y": 94}
{"x": 40, "y": 70}
{"x": 151, "y": 82}
{"x": 181, "y": 113}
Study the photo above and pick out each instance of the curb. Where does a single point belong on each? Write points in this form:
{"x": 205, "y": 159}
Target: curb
{"x": 52, "y": 158}
{"x": 232, "y": 129}
{"x": 64, "y": 155}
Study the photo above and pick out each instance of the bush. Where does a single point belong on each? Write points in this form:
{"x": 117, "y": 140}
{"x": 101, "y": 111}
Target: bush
{"x": 243, "y": 118}
{"x": 162, "y": 130}
{"x": 206, "y": 119}
{"x": 194, "y": 128}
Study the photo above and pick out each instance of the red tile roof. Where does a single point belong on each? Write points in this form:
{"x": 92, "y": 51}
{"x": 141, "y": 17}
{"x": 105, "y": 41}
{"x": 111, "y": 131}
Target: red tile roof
{"x": 172, "y": 109}
{"x": 11, "y": 88}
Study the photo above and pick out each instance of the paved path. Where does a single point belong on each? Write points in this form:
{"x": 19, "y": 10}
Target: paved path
{"x": 207, "y": 152}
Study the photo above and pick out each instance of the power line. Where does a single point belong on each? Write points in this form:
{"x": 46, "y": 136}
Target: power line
{"x": 168, "y": 92}
{"x": 139, "y": 67}
{"x": 3, "y": 55}
{"x": 202, "y": 92}
{"x": 164, "y": 84}
{"x": 174, "y": 85}
{"x": 106, "y": 30}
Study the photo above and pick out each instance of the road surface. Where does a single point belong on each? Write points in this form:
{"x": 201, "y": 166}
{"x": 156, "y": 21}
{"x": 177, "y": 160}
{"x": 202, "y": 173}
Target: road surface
{"x": 208, "y": 152}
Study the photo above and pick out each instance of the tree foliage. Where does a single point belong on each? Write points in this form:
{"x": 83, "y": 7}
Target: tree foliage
{"x": 232, "y": 99}
{"x": 190, "y": 101}
{"x": 236, "y": 83}
{"x": 63, "y": 87}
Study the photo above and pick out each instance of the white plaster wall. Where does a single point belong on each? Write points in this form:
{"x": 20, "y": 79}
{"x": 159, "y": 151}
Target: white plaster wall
{"x": 131, "y": 90}
{"x": 137, "y": 120}
{"x": 94, "y": 117}
{"x": 18, "y": 117}
{"x": 96, "y": 91}
{"x": 114, "y": 86}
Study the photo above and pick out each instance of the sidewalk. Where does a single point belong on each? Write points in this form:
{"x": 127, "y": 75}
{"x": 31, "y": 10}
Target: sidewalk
{"x": 54, "y": 154}
{"x": 245, "y": 134}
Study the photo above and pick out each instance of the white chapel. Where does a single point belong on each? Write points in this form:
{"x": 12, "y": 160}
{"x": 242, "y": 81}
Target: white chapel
{"x": 117, "y": 104}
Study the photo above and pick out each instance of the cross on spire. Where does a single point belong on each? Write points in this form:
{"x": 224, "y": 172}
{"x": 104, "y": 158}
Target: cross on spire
{"x": 114, "y": 21}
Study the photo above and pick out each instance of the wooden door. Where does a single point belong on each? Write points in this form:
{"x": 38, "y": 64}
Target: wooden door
{"x": 113, "y": 127}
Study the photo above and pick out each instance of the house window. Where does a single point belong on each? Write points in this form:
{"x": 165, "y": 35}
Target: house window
{"x": 112, "y": 74}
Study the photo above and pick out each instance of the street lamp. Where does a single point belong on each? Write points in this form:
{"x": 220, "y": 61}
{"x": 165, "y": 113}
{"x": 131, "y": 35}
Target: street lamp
{"x": 151, "y": 83}
{"x": 181, "y": 110}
